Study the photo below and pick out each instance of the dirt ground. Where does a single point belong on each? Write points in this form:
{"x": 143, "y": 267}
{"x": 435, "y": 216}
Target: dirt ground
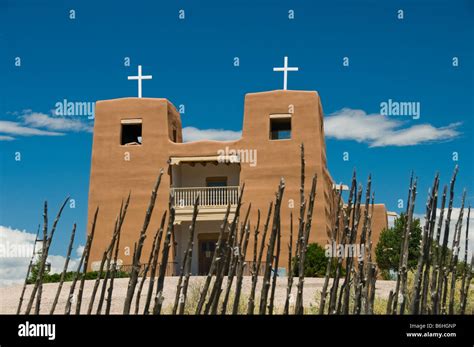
{"x": 9, "y": 296}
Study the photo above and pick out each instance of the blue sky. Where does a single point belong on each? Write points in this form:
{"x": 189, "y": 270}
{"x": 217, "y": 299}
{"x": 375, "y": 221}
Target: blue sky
{"x": 191, "y": 61}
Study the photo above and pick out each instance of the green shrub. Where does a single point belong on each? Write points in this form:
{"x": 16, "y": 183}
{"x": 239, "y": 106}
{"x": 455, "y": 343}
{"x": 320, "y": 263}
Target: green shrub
{"x": 315, "y": 262}
{"x": 69, "y": 276}
{"x": 387, "y": 251}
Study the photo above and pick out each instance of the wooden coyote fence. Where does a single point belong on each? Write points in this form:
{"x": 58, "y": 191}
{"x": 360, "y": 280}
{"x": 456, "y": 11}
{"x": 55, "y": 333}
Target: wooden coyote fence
{"x": 349, "y": 283}
{"x": 171, "y": 268}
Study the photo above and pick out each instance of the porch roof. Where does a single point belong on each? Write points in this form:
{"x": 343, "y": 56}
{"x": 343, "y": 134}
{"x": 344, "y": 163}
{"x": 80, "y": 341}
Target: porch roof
{"x": 212, "y": 158}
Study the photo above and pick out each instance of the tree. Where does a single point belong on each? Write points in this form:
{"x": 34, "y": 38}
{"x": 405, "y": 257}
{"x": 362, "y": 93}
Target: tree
{"x": 35, "y": 268}
{"x": 315, "y": 262}
{"x": 387, "y": 251}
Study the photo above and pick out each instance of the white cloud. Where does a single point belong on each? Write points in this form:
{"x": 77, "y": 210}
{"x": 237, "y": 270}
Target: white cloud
{"x": 193, "y": 134}
{"x": 56, "y": 123}
{"x": 57, "y": 263}
{"x": 79, "y": 250}
{"x": 15, "y": 236}
{"x": 39, "y": 124}
{"x": 379, "y": 130}
{"x": 16, "y": 249}
{"x": 15, "y": 128}
{"x": 13, "y": 268}
{"x": 454, "y": 218}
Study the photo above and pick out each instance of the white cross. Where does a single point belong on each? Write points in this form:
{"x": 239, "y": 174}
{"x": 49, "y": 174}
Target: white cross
{"x": 285, "y": 70}
{"x": 140, "y": 77}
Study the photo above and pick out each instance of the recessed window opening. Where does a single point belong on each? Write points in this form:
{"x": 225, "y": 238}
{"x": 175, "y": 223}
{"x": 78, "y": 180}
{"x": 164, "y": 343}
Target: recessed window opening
{"x": 280, "y": 127}
{"x": 131, "y": 132}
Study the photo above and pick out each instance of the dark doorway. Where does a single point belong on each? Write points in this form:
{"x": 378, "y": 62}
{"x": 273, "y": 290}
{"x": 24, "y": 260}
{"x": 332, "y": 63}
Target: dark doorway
{"x": 216, "y": 196}
{"x": 207, "y": 247}
{"x": 216, "y": 181}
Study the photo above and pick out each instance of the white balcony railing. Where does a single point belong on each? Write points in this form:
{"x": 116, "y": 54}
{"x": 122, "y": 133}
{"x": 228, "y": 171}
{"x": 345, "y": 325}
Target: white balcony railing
{"x": 208, "y": 196}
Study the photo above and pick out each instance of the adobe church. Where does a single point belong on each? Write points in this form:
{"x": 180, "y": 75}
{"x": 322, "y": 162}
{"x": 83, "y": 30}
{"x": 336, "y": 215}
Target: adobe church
{"x": 135, "y": 137}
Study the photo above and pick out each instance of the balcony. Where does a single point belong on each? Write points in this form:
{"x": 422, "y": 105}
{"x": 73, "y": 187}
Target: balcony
{"x": 213, "y": 202}
{"x": 209, "y": 197}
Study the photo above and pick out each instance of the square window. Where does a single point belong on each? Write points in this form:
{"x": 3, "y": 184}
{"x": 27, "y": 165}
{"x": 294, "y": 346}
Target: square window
{"x": 131, "y": 132}
{"x": 280, "y": 128}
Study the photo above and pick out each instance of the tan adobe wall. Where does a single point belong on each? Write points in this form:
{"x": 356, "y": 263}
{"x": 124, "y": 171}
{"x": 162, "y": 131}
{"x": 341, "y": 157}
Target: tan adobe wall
{"x": 112, "y": 177}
